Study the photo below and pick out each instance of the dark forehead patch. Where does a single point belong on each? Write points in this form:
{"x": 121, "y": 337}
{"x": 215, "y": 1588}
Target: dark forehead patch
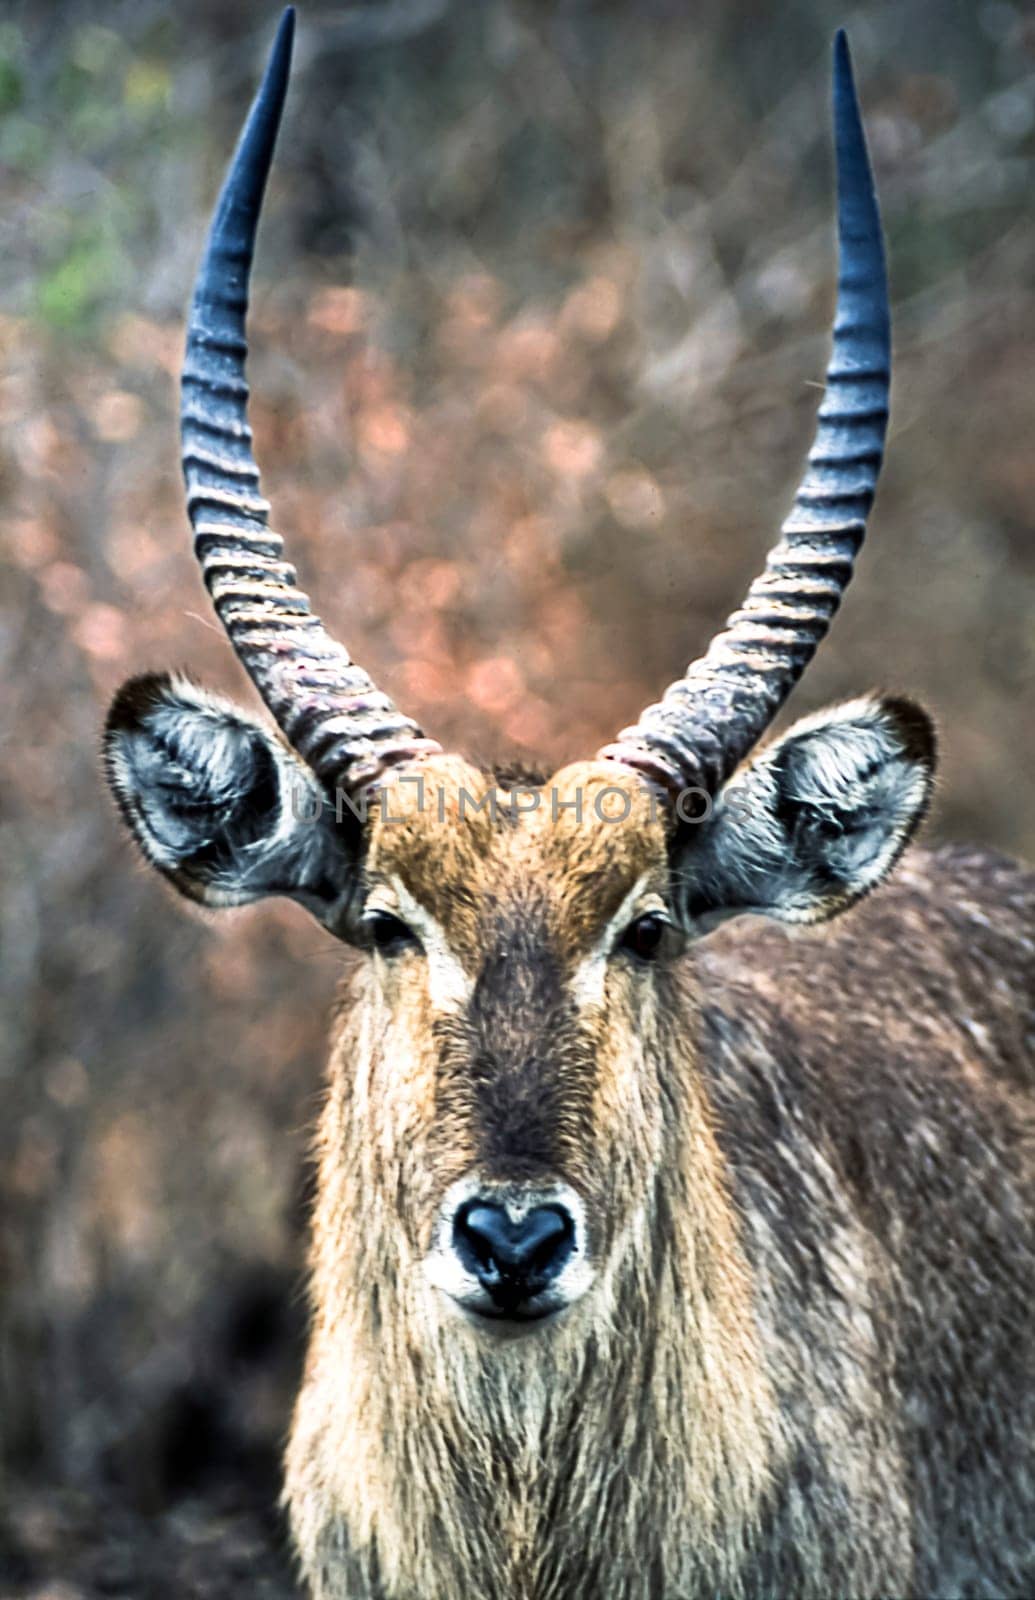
{"x": 530, "y": 1080}
{"x": 520, "y": 954}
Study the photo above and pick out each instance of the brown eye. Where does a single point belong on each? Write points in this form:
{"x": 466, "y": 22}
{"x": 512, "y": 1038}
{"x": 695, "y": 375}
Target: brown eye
{"x": 388, "y": 934}
{"x": 643, "y": 938}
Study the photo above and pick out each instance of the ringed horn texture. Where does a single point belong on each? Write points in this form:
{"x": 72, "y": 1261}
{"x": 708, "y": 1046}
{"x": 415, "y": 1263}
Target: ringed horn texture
{"x": 706, "y": 723}
{"x": 326, "y": 706}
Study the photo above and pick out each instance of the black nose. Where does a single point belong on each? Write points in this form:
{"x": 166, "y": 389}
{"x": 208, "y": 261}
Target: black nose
{"x": 513, "y": 1260}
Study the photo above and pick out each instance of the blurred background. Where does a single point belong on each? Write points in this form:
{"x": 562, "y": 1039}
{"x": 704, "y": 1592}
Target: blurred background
{"x": 541, "y": 309}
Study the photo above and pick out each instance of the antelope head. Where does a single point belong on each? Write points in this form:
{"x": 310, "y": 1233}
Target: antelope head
{"x": 517, "y": 947}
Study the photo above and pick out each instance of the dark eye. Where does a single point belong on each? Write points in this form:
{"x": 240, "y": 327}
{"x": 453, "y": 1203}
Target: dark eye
{"x": 644, "y": 937}
{"x": 388, "y": 934}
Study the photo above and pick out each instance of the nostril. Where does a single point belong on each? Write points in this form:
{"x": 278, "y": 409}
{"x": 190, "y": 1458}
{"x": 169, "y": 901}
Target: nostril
{"x": 478, "y": 1231}
{"x": 513, "y": 1259}
{"x": 545, "y": 1249}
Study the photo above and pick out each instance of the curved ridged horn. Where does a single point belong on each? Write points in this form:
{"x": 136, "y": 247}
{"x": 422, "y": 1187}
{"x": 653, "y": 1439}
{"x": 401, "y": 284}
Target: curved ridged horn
{"x": 706, "y": 723}
{"x": 327, "y": 707}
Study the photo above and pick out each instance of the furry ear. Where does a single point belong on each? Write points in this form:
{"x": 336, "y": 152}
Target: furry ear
{"x": 219, "y": 805}
{"x": 815, "y": 821}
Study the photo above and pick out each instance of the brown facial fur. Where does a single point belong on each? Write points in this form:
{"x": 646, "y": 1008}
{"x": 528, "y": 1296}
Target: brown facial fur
{"x": 514, "y": 1079}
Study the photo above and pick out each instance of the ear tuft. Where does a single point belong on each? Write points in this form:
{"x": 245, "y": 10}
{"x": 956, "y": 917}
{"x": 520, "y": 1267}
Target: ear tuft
{"x": 817, "y": 819}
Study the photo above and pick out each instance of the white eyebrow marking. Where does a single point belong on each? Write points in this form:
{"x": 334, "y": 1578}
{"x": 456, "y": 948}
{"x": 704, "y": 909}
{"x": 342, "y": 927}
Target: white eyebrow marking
{"x": 449, "y": 985}
{"x": 587, "y": 984}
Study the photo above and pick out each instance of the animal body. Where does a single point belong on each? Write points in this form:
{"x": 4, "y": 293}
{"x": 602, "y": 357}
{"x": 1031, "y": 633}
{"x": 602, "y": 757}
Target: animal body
{"x": 662, "y": 1250}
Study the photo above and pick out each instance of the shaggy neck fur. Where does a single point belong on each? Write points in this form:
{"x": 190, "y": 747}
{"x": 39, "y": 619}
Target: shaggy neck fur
{"x": 429, "y": 1460}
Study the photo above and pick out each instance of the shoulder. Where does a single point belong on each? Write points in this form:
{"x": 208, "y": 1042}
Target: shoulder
{"x": 932, "y": 976}
{"x": 951, "y": 902}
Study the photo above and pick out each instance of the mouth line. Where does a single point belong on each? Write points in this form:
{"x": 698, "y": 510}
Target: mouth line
{"x": 509, "y": 1319}
{"x": 518, "y": 1316}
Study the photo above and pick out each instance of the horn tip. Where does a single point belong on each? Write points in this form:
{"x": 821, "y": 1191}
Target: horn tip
{"x": 280, "y": 55}
{"x": 842, "y": 55}
{"x": 844, "y": 77}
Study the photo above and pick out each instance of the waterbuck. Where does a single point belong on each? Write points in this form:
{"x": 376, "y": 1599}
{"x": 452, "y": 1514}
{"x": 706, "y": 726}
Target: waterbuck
{"x": 653, "y": 1258}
